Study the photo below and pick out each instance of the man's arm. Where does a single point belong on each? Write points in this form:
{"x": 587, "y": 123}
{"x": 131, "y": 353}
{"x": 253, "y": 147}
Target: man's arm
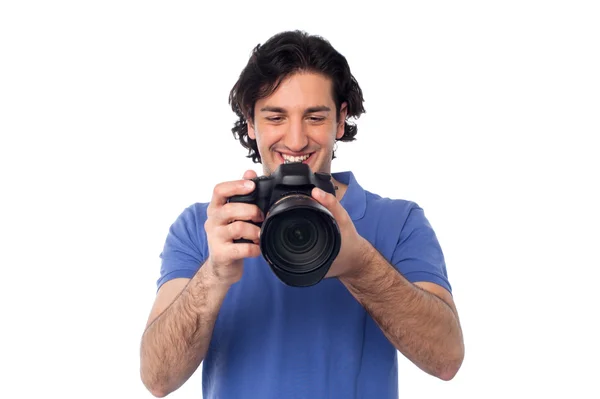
{"x": 179, "y": 330}
{"x": 419, "y": 319}
{"x": 183, "y": 317}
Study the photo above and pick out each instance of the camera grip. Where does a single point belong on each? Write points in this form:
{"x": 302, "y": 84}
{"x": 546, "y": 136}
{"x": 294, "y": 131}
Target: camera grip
{"x": 249, "y": 198}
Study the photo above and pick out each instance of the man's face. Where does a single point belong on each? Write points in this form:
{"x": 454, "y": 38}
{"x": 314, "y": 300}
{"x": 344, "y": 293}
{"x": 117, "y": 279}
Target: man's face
{"x": 298, "y": 122}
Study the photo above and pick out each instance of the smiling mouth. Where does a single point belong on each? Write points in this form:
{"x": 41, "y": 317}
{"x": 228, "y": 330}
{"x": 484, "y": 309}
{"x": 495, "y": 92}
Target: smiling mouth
{"x": 291, "y": 159}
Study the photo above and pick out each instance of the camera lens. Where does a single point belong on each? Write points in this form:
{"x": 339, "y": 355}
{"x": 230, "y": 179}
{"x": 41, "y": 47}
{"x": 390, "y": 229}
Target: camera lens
{"x": 299, "y": 236}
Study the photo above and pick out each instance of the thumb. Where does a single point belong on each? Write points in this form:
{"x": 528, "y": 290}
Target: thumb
{"x": 331, "y": 202}
{"x": 327, "y": 200}
{"x": 249, "y": 174}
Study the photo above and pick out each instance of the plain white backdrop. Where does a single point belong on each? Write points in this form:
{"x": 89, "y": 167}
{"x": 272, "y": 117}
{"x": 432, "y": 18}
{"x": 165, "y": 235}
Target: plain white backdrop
{"x": 114, "y": 118}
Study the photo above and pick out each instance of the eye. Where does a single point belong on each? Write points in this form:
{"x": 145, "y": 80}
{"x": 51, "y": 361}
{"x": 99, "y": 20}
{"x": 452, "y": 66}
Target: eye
{"x": 275, "y": 119}
{"x": 316, "y": 118}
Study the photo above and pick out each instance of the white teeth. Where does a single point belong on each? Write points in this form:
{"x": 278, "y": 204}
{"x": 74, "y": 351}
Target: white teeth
{"x": 289, "y": 158}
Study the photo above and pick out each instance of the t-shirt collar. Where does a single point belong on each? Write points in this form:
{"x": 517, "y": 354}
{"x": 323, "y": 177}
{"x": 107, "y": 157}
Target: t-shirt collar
{"x": 355, "y": 198}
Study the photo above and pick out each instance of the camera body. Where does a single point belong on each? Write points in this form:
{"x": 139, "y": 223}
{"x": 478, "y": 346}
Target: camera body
{"x": 299, "y": 237}
{"x": 290, "y": 178}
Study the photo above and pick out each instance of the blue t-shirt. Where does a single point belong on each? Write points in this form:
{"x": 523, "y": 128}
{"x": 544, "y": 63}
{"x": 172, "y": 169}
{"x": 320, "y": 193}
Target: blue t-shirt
{"x": 275, "y": 341}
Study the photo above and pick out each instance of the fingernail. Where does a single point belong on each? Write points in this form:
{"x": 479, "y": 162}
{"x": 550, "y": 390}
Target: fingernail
{"x": 248, "y": 184}
{"x": 319, "y": 193}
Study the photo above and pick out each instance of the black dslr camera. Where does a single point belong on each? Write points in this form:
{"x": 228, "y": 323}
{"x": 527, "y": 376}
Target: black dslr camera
{"x": 299, "y": 237}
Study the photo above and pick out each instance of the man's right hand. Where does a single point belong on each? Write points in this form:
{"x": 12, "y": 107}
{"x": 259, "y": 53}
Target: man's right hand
{"x": 181, "y": 322}
{"x": 228, "y": 221}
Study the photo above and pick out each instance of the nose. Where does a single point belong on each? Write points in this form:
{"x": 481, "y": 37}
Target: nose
{"x": 296, "y": 138}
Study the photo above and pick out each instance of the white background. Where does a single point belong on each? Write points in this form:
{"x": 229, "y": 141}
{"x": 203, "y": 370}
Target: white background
{"x": 114, "y": 118}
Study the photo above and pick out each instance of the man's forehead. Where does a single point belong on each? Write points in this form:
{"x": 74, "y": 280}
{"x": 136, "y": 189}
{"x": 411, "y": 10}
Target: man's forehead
{"x": 304, "y": 90}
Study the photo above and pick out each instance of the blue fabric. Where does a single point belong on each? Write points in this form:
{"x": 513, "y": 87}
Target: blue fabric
{"x": 275, "y": 341}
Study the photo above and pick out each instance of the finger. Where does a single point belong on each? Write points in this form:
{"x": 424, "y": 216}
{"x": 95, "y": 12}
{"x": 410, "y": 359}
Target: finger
{"x": 243, "y": 250}
{"x": 223, "y": 191}
{"x": 238, "y": 230}
{"x": 250, "y": 174}
{"x": 328, "y": 201}
{"x": 234, "y": 211}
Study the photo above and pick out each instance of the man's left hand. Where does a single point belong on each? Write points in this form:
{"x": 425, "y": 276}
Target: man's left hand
{"x": 354, "y": 247}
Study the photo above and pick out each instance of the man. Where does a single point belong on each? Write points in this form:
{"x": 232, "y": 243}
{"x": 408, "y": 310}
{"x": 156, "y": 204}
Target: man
{"x": 219, "y": 303}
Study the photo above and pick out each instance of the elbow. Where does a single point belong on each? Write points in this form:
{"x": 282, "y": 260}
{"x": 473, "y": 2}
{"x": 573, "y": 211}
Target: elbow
{"x": 448, "y": 373}
{"x": 158, "y": 393}
{"x": 450, "y": 368}
{"x": 156, "y": 390}
{"x": 154, "y": 386}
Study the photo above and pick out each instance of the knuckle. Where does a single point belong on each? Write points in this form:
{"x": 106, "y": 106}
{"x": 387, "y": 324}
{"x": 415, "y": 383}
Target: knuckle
{"x": 235, "y": 251}
{"x": 234, "y": 229}
{"x": 221, "y": 210}
{"x": 216, "y": 215}
{"x": 222, "y": 232}
{"x": 216, "y": 190}
{"x": 210, "y": 212}
{"x": 220, "y": 190}
{"x": 209, "y": 227}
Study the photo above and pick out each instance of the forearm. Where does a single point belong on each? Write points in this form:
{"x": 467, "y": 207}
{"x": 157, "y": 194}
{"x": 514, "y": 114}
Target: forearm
{"x": 175, "y": 343}
{"x": 419, "y": 324}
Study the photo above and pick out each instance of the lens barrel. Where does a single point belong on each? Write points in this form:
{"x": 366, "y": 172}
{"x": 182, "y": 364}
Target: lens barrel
{"x": 300, "y": 239}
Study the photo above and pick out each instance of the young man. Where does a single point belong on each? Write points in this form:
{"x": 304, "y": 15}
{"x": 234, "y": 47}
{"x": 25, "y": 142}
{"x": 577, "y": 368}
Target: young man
{"x": 219, "y": 303}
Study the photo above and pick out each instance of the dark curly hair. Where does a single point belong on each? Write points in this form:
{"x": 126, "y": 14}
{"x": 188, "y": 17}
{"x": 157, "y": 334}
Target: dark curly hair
{"x": 281, "y": 56}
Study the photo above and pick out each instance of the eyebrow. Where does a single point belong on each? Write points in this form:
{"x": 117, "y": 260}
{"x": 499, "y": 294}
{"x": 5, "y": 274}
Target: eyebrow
{"x": 309, "y": 110}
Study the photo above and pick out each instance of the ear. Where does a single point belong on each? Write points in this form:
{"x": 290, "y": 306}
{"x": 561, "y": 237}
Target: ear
{"x": 341, "y": 121}
{"x": 251, "y": 132}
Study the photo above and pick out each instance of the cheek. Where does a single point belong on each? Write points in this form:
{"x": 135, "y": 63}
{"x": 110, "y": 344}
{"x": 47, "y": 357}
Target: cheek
{"x": 266, "y": 137}
{"x": 327, "y": 139}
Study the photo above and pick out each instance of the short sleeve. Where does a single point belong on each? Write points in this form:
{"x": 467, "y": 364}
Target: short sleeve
{"x": 185, "y": 247}
{"x": 418, "y": 254}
